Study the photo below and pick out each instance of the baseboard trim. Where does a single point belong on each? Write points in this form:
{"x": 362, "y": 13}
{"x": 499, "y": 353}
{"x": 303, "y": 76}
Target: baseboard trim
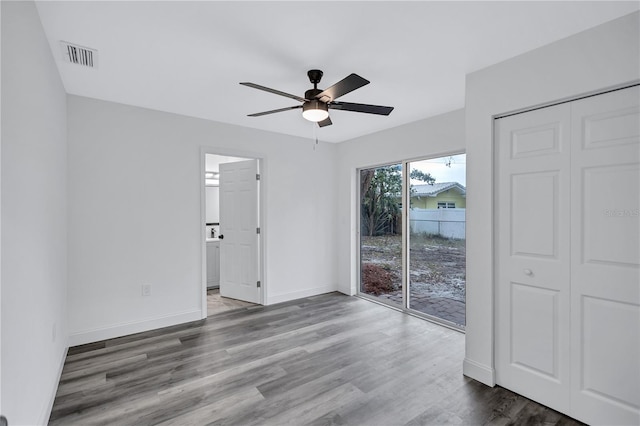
{"x": 44, "y": 418}
{"x": 285, "y": 297}
{"x": 124, "y": 329}
{"x": 480, "y": 372}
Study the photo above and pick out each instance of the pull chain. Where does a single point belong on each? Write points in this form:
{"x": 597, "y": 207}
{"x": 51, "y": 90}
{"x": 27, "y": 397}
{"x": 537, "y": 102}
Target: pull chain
{"x": 315, "y": 135}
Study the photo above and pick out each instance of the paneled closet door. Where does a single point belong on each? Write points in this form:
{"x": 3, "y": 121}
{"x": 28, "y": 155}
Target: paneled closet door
{"x": 533, "y": 262}
{"x": 605, "y": 258}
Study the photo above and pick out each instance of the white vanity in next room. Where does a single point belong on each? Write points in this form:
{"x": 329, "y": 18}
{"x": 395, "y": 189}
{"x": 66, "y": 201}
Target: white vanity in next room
{"x": 213, "y": 263}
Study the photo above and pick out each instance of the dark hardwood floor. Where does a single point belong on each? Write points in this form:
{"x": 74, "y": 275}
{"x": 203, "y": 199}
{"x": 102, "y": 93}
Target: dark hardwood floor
{"x": 323, "y": 360}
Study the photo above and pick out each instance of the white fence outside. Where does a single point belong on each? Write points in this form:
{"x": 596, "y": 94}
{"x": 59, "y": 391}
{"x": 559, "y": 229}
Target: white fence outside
{"x": 448, "y": 223}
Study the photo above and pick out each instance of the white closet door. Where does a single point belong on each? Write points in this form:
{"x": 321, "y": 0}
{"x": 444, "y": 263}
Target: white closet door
{"x": 533, "y": 262}
{"x": 605, "y": 274}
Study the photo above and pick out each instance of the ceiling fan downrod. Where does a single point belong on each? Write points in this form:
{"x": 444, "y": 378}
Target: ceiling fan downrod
{"x": 314, "y": 77}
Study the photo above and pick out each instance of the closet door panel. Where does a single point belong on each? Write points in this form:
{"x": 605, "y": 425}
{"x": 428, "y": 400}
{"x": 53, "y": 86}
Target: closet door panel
{"x": 608, "y": 216}
{"x": 605, "y": 258}
{"x": 532, "y": 317}
{"x": 534, "y": 192}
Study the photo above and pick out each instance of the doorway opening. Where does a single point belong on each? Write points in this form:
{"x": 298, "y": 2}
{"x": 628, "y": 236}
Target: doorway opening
{"x": 232, "y": 266}
{"x": 412, "y": 237}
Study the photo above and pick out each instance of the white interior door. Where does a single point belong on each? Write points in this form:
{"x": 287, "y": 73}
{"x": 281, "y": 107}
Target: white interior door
{"x": 605, "y": 266}
{"x": 239, "y": 260}
{"x": 533, "y": 262}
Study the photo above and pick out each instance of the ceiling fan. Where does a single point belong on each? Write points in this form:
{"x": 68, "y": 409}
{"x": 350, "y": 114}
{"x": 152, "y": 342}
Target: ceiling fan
{"x": 317, "y": 103}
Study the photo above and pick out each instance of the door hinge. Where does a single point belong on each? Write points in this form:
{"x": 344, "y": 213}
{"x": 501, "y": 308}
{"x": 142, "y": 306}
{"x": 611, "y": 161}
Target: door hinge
{"x": 258, "y": 176}
{"x": 259, "y": 284}
{"x": 257, "y": 230}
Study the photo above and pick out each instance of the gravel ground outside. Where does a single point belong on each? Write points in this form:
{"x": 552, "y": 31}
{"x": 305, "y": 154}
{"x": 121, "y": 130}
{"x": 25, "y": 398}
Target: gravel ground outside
{"x": 436, "y": 264}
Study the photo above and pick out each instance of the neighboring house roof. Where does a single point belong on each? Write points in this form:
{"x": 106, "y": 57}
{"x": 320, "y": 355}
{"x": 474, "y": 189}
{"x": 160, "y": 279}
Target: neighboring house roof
{"x": 428, "y": 190}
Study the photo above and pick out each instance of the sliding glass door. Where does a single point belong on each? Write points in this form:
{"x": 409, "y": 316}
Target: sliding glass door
{"x": 412, "y": 237}
{"x": 381, "y": 251}
{"x": 437, "y": 245}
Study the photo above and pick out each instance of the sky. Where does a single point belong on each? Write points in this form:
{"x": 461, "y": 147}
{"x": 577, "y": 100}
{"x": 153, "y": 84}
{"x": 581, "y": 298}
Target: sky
{"x": 443, "y": 169}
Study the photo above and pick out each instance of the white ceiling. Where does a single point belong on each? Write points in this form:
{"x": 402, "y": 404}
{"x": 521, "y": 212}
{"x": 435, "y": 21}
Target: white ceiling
{"x": 188, "y": 57}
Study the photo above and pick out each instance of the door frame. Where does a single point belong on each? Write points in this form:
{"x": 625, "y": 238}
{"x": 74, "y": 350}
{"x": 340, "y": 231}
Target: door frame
{"x": 405, "y": 238}
{"x": 262, "y": 218}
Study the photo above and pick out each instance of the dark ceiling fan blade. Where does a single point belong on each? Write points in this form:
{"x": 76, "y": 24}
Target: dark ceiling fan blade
{"x": 344, "y": 86}
{"x": 369, "y": 109}
{"x": 277, "y": 92}
{"x": 273, "y": 111}
{"x": 325, "y": 122}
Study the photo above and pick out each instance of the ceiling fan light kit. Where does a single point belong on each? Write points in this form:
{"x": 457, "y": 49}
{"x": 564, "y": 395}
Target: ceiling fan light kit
{"x": 315, "y": 111}
{"x": 316, "y": 102}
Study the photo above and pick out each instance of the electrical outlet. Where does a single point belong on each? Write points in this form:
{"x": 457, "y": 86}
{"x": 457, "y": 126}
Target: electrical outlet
{"x": 146, "y": 289}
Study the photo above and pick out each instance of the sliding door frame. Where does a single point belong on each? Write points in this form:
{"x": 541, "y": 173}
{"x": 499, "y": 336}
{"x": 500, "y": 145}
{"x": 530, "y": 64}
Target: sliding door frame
{"x": 406, "y": 198}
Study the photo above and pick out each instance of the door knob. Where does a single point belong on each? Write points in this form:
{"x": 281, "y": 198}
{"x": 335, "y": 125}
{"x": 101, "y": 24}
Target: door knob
{"x": 221, "y": 237}
{"x": 528, "y": 272}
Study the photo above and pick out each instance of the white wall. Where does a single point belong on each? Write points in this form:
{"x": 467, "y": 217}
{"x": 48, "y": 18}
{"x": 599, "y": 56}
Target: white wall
{"x": 212, "y": 162}
{"x": 433, "y": 137}
{"x": 599, "y": 58}
{"x": 34, "y": 197}
{"x": 212, "y": 193}
{"x": 212, "y": 196}
{"x": 134, "y": 215}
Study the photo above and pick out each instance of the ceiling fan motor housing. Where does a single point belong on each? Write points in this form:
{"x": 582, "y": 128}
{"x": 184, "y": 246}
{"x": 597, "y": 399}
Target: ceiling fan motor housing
{"x": 311, "y": 93}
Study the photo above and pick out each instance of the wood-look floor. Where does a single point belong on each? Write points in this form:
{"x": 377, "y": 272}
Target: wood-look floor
{"x": 324, "y": 360}
{"x": 217, "y": 304}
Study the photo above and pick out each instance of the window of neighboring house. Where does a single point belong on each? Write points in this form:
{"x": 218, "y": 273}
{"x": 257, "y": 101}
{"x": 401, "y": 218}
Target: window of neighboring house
{"x": 446, "y": 205}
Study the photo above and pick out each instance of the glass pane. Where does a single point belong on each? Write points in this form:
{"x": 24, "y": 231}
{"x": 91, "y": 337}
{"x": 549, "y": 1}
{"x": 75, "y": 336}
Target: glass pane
{"x": 437, "y": 245}
{"x": 381, "y": 233}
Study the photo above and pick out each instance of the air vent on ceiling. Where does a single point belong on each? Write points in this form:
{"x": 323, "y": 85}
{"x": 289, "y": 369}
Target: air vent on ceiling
{"x": 79, "y": 55}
